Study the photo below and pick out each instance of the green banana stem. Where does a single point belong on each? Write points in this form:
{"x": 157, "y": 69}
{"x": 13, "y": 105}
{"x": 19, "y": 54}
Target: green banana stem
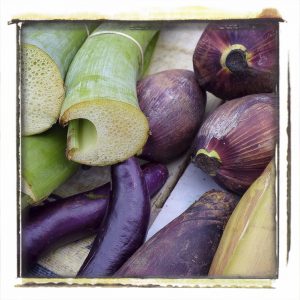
{"x": 44, "y": 164}
{"x": 101, "y": 91}
{"x": 47, "y": 51}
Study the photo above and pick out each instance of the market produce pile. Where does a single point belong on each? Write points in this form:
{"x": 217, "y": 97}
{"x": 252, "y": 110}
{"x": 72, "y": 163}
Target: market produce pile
{"x": 87, "y": 101}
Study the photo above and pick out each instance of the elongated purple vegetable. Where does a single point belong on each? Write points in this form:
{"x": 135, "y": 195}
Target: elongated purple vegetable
{"x": 174, "y": 105}
{"x": 232, "y": 60}
{"x": 125, "y": 227}
{"x": 46, "y": 227}
{"x": 186, "y": 246}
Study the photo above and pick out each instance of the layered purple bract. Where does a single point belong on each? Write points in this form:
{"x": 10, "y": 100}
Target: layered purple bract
{"x": 241, "y": 136}
{"x": 234, "y": 60}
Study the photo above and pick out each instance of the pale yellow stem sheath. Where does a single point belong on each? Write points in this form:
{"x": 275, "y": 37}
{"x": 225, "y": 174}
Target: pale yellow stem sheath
{"x": 248, "y": 244}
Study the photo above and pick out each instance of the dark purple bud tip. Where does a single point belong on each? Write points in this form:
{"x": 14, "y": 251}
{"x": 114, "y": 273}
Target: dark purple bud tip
{"x": 209, "y": 162}
{"x": 236, "y": 61}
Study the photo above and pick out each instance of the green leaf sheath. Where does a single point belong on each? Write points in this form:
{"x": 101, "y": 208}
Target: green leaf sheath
{"x": 60, "y": 40}
{"x": 44, "y": 164}
{"x": 148, "y": 54}
{"x": 47, "y": 51}
{"x": 106, "y": 66}
{"x": 101, "y": 88}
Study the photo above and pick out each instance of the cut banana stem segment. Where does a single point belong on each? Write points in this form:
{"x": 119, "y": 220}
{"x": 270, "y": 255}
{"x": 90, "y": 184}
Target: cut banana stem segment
{"x": 248, "y": 244}
{"x": 44, "y": 164}
{"x": 101, "y": 95}
{"x": 47, "y": 51}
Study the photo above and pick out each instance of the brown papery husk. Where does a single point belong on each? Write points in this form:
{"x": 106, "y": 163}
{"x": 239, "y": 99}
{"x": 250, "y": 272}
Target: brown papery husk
{"x": 240, "y": 136}
{"x": 174, "y": 105}
{"x": 186, "y": 246}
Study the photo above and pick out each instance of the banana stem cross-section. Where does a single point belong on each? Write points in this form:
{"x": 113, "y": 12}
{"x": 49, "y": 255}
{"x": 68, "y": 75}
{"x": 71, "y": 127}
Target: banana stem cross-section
{"x": 106, "y": 125}
{"x": 47, "y": 51}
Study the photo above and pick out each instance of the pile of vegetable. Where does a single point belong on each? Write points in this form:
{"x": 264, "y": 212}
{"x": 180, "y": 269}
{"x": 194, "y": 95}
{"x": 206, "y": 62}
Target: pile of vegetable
{"x": 86, "y": 101}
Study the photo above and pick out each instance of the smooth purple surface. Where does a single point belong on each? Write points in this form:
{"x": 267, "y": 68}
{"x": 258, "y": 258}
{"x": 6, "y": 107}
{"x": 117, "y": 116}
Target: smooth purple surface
{"x": 53, "y": 224}
{"x": 56, "y": 223}
{"x": 174, "y": 105}
{"x": 125, "y": 227}
{"x": 155, "y": 176}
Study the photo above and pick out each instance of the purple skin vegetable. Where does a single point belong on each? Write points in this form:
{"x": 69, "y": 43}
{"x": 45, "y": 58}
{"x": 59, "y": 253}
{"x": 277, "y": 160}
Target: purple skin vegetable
{"x": 125, "y": 226}
{"x": 174, "y": 105}
{"x": 232, "y": 60}
{"x": 53, "y": 224}
{"x": 237, "y": 141}
{"x": 186, "y": 246}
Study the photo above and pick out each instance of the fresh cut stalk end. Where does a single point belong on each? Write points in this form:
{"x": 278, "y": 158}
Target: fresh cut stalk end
{"x": 101, "y": 93}
{"x": 42, "y": 90}
{"x": 208, "y": 161}
{"x": 47, "y": 51}
{"x": 44, "y": 165}
{"x": 99, "y": 130}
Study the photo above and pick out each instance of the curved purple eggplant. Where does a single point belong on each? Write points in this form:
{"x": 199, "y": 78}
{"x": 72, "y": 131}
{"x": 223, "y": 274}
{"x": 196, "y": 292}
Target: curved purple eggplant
{"x": 125, "y": 227}
{"x": 56, "y": 223}
{"x": 48, "y": 226}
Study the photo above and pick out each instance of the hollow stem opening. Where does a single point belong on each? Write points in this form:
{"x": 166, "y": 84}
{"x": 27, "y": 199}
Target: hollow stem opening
{"x": 82, "y": 134}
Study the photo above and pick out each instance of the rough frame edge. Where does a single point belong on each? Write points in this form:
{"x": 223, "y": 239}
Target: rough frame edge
{"x": 265, "y": 14}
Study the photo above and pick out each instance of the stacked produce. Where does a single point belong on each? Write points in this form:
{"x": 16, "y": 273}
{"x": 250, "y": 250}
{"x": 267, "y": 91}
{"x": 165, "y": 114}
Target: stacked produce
{"x": 125, "y": 227}
{"x": 186, "y": 246}
{"x": 53, "y": 224}
{"x": 115, "y": 115}
{"x": 47, "y": 51}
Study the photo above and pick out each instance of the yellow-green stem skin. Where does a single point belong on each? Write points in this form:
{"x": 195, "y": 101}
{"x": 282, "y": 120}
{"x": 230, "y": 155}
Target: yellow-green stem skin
{"x": 60, "y": 40}
{"x": 248, "y": 244}
{"x": 47, "y": 50}
{"x": 44, "y": 165}
{"x": 101, "y": 88}
{"x": 148, "y": 54}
